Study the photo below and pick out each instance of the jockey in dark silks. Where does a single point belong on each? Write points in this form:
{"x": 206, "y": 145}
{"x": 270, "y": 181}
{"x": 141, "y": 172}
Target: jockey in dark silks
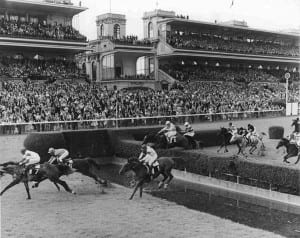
{"x": 189, "y": 132}
{"x": 251, "y": 132}
{"x": 296, "y": 124}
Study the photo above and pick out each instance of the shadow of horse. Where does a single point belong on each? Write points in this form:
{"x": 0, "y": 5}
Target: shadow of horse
{"x": 143, "y": 176}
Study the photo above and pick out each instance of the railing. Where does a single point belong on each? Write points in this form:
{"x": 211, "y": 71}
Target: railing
{"x": 23, "y": 128}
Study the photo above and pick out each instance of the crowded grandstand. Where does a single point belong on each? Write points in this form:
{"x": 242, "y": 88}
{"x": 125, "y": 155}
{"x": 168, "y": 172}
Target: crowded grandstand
{"x": 189, "y": 68}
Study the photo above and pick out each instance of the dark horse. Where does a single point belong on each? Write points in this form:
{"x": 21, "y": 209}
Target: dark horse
{"x": 291, "y": 149}
{"x": 46, "y": 171}
{"x": 142, "y": 174}
{"x": 159, "y": 141}
{"x": 226, "y": 136}
{"x": 87, "y": 167}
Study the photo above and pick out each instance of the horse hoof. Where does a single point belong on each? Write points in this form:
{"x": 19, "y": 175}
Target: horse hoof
{"x": 73, "y": 192}
{"x": 160, "y": 184}
{"x": 165, "y": 186}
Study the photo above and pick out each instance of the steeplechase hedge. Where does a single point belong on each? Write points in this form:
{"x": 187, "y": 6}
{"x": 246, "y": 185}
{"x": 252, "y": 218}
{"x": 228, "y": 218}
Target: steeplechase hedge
{"x": 126, "y": 143}
{"x": 276, "y": 132}
{"x": 281, "y": 178}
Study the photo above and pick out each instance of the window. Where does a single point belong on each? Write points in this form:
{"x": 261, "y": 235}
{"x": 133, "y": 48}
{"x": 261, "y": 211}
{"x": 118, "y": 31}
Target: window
{"x": 117, "y": 31}
{"x": 102, "y": 30}
{"x": 150, "y": 30}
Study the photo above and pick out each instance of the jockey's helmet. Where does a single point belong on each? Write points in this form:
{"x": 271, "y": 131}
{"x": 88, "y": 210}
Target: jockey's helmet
{"x": 143, "y": 147}
{"x": 168, "y": 123}
{"x": 51, "y": 150}
{"x": 186, "y": 124}
{"x": 23, "y": 151}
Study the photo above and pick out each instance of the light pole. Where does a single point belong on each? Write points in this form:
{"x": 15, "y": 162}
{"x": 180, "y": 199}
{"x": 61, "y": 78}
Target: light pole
{"x": 287, "y": 76}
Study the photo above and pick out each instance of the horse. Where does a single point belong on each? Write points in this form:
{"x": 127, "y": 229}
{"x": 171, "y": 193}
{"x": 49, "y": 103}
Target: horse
{"x": 160, "y": 141}
{"x": 143, "y": 175}
{"x": 87, "y": 167}
{"x": 291, "y": 149}
{"x": 46, "y": 171}
{"x": 226, "y": 136}
{"x": 253, "y": 142}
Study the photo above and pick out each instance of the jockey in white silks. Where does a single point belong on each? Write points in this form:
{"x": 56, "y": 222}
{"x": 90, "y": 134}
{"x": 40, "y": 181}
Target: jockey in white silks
{"x": 61, "y": 155}
{"x": 29, "y": 158}
{"x": 169, "y": 131}
{"x": 232, "y": 129}
{"x": 189, "y": 131}
{"x": 148, "y": 156}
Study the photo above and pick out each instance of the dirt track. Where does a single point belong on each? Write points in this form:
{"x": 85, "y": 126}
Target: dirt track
{"x": 92, "y": 214}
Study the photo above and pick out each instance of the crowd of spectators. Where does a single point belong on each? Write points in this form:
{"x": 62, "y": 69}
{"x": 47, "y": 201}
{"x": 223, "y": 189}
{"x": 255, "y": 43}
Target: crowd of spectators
{"x": 227, "y": 43}
{"x": 66, "y": 101}
{"x": 187, "y": 73}
{"x": 38, "y": 69}
{"x": 41, "y": 30}
{"x": 128, "y": 40}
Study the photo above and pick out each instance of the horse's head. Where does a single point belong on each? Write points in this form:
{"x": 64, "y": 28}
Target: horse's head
{"x": 282, "y": 142}
{"x": 14, "y": 170}
{"x": 132, "y": 162}
{"x": 223, "y": 130}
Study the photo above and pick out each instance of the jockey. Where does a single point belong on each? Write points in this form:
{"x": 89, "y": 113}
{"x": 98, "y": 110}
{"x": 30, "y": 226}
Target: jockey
{"x": 296, "y": 124}
{"x": 148, "y": 156}
{"x": 232, "y": 129}
{"x": 189, "y": 132}
{"x": 251, "y": 132}
{"x": 29, "y": 158}
{"x": 60, "y": 155}
{"x": 169, "y": 131}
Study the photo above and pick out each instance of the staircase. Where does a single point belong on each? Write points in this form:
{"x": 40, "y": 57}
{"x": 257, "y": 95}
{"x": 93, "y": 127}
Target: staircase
{"x": 163, "y": 76}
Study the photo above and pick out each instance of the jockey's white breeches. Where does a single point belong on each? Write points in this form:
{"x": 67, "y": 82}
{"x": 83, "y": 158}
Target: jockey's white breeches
{"x": 170, "y": 134}
{"x": 148, "y": 159}
{"x": 32, "y": 160}
{"x": 63, "y": 156}
{"x": 191, "y": 134}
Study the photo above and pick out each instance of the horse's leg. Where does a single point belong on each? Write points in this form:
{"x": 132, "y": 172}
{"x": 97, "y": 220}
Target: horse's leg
{"x": 141, "y": 190}
{"x": 161, "y": 183}
{"x": 27, "y": 190}
{"x": 221, "y": 146}
{"x": 65, "y": 185}
{"x": 169, "y": 180}
{"x": 136, "y": 187}
{"x": 36, "y": 184}
{"x": 298, "y": 159}
{"x": 13, "y": 183}
{"x": 287, "y": 157}
{"x": 56, "y": 185}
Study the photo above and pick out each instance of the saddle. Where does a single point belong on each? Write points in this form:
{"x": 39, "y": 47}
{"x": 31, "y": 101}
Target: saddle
{"x": 32, "y": 169}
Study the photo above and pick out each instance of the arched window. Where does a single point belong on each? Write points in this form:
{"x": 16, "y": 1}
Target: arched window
{"x": 102, "y": 30}
{"x": 117, "y": 31}
{"x": 150, "y": 30}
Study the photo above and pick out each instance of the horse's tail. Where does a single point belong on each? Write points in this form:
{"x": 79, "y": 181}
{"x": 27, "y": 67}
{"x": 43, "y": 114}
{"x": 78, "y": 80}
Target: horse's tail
{"x": 179, "y": 163}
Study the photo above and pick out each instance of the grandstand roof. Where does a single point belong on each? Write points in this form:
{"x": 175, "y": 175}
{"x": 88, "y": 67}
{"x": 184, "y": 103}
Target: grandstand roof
{"x": 42, "y": 6}
{"x": 184, "y": 22}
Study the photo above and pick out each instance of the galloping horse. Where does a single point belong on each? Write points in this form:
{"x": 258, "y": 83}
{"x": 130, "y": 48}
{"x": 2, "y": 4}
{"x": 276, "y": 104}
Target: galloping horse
{"x": 46, "y": 171}
{"x": 141, "y": 171}
{"x": 87, "y": 167}
{"x": 160, "y": 141}
{"x": 253, "y": 142}
{"x": 291, "y": 149}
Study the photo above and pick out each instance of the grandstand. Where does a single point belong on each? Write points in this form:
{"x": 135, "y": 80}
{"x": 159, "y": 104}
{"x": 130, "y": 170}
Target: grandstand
{"x": 37, "y": 40}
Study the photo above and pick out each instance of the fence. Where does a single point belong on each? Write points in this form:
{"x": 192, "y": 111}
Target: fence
{"x": 22, "y": 128}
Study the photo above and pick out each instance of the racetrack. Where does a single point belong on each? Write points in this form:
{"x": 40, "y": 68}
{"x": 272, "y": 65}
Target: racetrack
{"x": 92, "y": 214}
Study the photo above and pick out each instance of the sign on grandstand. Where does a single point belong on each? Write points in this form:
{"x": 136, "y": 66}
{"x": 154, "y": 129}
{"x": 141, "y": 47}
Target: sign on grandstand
{"x": 287, "y": 76}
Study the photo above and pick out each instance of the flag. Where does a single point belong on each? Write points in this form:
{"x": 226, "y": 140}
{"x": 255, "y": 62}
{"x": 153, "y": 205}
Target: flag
{"x": 232, "y": 3}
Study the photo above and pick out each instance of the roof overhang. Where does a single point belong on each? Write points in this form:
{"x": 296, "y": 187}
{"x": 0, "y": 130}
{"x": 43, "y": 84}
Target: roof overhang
{"x": 193, "y": 23}
{"x": 41, "y": 7}
{"x": 229, "y": 56}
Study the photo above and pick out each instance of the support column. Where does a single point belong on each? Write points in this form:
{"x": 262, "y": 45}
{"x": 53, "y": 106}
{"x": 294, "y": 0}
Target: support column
{"x": 98, "y": 70}
{"x": 156, "y": 63}
{"x": 89, "y": 69}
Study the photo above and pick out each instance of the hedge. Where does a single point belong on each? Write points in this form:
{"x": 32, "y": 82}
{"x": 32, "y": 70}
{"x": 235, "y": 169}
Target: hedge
{"x": 276, "y": 132}
{"x": 200, "y": 163}
{"x": 41, "y": 142}
{"x": 88, "y": 143}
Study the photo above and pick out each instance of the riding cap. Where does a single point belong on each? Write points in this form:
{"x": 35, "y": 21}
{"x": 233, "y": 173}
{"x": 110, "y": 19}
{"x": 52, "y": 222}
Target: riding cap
{"x": 51, "y": 150}
{"x": 144, "y": 146}
{"x": 23, "y": 151}
{"x": 186, "y": 123}
{"x": 168, "y": 122}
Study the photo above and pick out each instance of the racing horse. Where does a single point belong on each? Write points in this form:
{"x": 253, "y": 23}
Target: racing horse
{"x": 87, "y": 167}
{"x": 253, "y": 142}
{"x": 225, "y": 135}
{"x": 291, "y": 149}
{"x": 143, "y": 175}
{"x": 160, "y": 141}
{"x": 46, "y": 171}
